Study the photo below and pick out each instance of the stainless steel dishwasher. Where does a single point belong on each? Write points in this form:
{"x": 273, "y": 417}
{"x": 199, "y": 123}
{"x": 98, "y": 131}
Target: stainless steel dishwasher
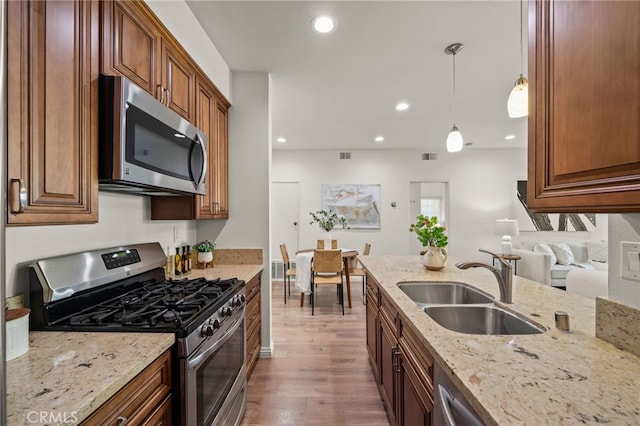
{"x": 450, "y": 407}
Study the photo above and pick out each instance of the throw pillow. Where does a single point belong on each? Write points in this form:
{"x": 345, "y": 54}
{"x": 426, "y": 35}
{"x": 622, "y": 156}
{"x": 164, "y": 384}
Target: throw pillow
{"x": 563, "y": 253}
{"x": 598, "y": 251}
{"x": 544, "y": 248}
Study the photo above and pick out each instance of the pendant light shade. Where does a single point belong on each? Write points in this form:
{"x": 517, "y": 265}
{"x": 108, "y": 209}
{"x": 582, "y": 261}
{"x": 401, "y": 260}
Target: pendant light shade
{"x": 454, "y": 139}
{"x": 518, "y": 102}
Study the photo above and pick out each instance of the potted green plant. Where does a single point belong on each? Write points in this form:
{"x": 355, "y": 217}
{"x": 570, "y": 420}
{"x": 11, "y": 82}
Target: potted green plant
{"x": 205, "y": 251}
{"x": 327, "y": 220}
{"x": 431, "y": 235}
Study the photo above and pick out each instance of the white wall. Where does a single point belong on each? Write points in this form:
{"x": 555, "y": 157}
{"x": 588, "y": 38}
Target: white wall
{"x": 481, "y": 189}
{"x": 622, "y": 227}
{"x": 249, "y": 178}
{"x": 122, "y": 219}
{"x": 180, "y": 21}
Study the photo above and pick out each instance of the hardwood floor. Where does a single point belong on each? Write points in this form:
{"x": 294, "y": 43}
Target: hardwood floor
{"x": 319, "y": 373}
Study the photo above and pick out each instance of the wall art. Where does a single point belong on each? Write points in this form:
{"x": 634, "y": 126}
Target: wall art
{"x": 359, "y": 204}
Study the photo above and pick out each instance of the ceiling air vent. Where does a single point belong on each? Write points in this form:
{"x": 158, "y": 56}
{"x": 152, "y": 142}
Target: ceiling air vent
{"x": 429, "y": 156}
{"x": 345, "y": 156}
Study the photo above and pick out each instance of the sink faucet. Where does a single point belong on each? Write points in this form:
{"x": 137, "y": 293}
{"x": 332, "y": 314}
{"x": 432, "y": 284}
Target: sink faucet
{"x": 503, "y": 275}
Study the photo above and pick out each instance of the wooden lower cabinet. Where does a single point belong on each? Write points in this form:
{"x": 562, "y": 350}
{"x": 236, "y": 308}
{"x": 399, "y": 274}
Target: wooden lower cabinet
{"x": 401, "y": 364}
{"x": 373, "y": 329}
{"x": 387, "y": 368}
{"x": 415, "y": 381}
{"x": 253, "y": 323}
{"x": 145, "y": 400}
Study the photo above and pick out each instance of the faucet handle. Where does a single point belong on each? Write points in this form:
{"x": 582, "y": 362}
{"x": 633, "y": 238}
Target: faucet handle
{"x": 503, "y": 263}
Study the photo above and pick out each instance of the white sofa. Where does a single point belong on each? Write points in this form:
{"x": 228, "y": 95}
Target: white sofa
{"x": 539, "y": 266}
{"x": 590, "y": 283}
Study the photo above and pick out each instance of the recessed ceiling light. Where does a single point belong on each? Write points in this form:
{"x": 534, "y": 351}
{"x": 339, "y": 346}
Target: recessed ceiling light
{"x": 509, "y": 137}
{"x": 379, "y": 138}
{"x": 179, "y": 135}
{"x": 323, "y": 24}
{"x": 281, "y": 140}
{"x": 402, "y": 106}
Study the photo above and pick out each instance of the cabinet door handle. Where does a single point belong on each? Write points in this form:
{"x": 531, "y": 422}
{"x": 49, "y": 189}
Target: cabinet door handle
{"x": 122, "y": 420}
{"x": 161, "y": 95}
{"x": 395, "y": 354}
{"x": 18, "y": 205}
{"x": 168, "y": 96}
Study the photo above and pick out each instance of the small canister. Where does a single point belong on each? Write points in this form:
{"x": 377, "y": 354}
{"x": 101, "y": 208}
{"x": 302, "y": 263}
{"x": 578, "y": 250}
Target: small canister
{"x": 17, "y": 332}
{"x": 562, "y": 321}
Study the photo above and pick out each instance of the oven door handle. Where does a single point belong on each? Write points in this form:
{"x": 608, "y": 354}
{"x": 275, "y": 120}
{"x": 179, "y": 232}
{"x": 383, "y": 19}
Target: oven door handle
{"x": 195, "y": 362}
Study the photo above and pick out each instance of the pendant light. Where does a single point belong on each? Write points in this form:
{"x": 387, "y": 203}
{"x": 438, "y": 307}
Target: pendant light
{"x": 518, "y": 103}
{"x": 454, "y": 139}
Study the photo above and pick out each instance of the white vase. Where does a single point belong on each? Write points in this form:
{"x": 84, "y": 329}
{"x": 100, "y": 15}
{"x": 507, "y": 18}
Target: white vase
{"x": 205, "y": 256}
{"x": 435, "y": 258}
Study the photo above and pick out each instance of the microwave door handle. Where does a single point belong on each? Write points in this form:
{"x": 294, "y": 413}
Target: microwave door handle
{"x": 200, "y": 143}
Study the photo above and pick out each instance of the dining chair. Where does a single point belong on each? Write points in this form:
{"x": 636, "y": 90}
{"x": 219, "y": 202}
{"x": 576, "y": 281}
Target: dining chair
{"x": 326, "y": 268}
{"x": 356, "y": 271}
{"x": 320, "y": 244}
{"x": 288, "y": 271}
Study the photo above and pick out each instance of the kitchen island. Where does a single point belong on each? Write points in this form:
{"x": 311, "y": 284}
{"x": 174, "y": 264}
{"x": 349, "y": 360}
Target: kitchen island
{"x": 555, "y": 377}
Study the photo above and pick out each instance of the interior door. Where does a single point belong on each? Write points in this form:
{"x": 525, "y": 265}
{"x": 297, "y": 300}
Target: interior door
{"x": 285, "y": 217}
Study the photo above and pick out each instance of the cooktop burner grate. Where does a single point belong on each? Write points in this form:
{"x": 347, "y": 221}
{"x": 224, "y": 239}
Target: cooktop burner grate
{"x": 166, "y": 304}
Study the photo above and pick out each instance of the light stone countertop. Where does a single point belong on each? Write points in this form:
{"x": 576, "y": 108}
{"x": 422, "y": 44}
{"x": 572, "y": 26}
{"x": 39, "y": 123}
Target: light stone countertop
{"x": 552, "y": 378}
{"x": 68, "y": 375}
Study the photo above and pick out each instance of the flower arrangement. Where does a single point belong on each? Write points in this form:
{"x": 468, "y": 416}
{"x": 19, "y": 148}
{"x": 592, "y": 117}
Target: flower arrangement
{"x": 205, "y": 246}
{"x": 429, "y": 231}
{"x": 327, "y": 220}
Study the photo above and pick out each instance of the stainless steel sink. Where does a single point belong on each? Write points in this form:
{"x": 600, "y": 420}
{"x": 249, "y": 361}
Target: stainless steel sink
{"x": 486, "y": 319}
{"x": 444, "y": 293}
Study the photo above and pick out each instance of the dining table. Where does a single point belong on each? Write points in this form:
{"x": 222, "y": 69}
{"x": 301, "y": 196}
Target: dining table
{"x": 303, "y": 269}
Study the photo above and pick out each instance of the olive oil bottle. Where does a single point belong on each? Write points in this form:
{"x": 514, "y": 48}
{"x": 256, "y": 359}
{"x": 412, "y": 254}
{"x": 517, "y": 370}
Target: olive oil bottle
{"x": 178, "y": 262}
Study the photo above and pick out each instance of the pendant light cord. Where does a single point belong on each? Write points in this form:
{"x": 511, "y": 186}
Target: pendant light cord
{"x": 521, "y": 56}
{"x": 454, "y": 88}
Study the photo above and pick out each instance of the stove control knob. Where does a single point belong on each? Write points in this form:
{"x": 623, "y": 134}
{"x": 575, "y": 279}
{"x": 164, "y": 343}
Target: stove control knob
{"x": 226, "y": 312}
{"x": 215, "y": 324}
{"x": 242, "y": 299}
{"x": 207, "y": 330}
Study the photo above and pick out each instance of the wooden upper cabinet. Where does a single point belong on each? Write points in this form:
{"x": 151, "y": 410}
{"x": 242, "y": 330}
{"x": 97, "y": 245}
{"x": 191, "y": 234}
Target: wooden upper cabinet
{"x": 52, "y": 107}
{"x": 220, "y": 175}
{"x": 178, "y": 81}
{"x": 130, "y": 45}
{"x": 206, "y": 122}
{"x": 584, "y": 131}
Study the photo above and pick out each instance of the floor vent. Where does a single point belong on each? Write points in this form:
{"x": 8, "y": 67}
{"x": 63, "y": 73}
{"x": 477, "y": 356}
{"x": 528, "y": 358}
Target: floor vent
{"x": 345, "y": 156}
{"x": 277, "y": 269}
{"x": 429, "y": 156}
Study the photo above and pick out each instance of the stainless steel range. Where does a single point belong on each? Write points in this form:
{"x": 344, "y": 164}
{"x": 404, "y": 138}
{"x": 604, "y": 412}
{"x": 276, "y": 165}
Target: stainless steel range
{"x": 124, "y": 289}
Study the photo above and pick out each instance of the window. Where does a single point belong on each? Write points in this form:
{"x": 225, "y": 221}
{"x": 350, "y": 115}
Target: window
{"x": 433, "y": 206}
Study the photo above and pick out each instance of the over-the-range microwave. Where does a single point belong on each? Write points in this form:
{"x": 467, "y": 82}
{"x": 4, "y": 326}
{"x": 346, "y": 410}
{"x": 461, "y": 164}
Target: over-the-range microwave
{"x": 146, "y": 148}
